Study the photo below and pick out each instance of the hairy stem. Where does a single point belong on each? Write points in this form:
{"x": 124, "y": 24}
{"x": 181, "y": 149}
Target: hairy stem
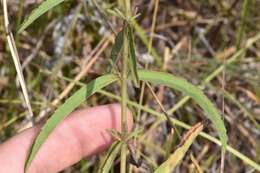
{"x": 123, "y": 158}
{"x": 124, "y": 88}
{"x": 124, "y": 96}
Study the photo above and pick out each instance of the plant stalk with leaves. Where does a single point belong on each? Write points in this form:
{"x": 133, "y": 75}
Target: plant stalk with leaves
{"x": 124, "y": 41}
{"x": 124, "y": 94}
{"x": 128, "y": 56}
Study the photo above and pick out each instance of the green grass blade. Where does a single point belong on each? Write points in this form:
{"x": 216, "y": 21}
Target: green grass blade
{"x": 194, "y": 92}
{"x": 64, "y": 110}
{"x": 36, "y": 13}
{"x": 170, "y": 164}
{"x": 111, "y": 156}
{"x": 241, "y": 30}
{"x": 133, "y": 62}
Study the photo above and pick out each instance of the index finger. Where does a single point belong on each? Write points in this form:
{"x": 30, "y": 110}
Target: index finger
{"x": 82, "y": 134}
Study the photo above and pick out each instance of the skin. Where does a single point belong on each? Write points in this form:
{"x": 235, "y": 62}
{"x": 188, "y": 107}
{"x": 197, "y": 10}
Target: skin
{"x": 82, "y": 134}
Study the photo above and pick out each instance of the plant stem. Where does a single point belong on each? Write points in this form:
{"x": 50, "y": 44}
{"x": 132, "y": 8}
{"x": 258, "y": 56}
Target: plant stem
{"x": 123, "y": 158}
{"x": 124, "y": 75}
{"x": 15, "y": 56}
{"x": 124, "y": 88}
{"x": 124, "y": 96}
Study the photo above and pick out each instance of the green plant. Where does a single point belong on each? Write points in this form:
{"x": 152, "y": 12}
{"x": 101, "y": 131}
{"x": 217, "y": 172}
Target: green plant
{"x": 124, "y": 43}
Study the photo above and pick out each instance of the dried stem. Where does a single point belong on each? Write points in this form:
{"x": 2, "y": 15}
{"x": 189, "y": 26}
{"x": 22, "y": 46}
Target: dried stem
{"x": 17, "y": 63}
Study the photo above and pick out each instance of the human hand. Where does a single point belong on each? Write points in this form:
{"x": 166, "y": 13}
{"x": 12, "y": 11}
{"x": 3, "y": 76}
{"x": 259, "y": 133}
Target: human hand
{"x": 81, "y": 134}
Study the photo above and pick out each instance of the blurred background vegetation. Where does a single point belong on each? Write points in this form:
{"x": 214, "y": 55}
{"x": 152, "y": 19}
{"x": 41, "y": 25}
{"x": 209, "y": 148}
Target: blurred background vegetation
{"x": 192, "y": 39}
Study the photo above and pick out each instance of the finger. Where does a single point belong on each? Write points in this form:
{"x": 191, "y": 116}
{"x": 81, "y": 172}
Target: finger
{"x": 82, "y": 134}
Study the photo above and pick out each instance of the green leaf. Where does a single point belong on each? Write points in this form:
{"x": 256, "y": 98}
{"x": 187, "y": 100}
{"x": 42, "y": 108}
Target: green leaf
{"x": 194, "y": 92}
{"x": 64, "y": 110}
{"x": 36, "y": 13}
{"x": 170, "y": 164}
{"x": 111, "y": 156}
{"x": 133, "y": 62}
{"x": 117, "y": 47}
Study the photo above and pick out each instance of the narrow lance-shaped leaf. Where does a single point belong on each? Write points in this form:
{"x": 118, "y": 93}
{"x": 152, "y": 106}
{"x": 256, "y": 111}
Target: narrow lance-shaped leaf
{"x": 116, "y": 49}
{"x": 133, "y": 62}
{"x": 64, "y": 110}
{"x": 36, "y": 13}
{"x": 110, "y": 157}
{"x": 170, "y": 164}
{"x": 194, "y": 92}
